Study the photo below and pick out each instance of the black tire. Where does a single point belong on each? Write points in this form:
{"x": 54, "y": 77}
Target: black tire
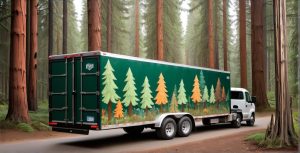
{"x": 135, "y": 130}
{"x": 206, "y": 122}
{"x": 167, "y": 130}
{"x": 184, "y": 127}
{"x": 251, "y": 121}
{"x": 237, "y": 122}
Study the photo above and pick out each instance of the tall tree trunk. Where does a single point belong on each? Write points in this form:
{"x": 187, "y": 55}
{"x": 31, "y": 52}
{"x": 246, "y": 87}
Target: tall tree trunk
{"x": 137, "y": 30}
{"x": 283, "y": 130}
{"x": 216, "y": 38}
{"x": 257, "y": 55}
{"x": 94, "y": 25}
{"x": 109, "y": 25}
{"x": 211, "y": 35}
{"x": 50, "y": 28}
{"x": 18, "y": 108}
{"x": 160, "y": 39}
{"x": 243, "y": 49}
{"x": 32, "y": 100}
{"x": 27, "y": 42}
{"x": 65, "y": 27}
{"x": 225, "y": 34}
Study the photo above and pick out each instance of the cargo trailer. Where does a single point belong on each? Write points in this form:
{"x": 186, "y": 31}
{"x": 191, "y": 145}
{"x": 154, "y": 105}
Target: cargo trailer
{"x": 100, "y": 91}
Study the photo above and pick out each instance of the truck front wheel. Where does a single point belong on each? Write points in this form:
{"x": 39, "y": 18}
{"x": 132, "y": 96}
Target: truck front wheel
{"x": 185, "y": 126}
{"x": 251, "y": 121}
{"x": 167, "y": 130}
{"x": 237, "y": 122}
{"x": 134, "y": 130}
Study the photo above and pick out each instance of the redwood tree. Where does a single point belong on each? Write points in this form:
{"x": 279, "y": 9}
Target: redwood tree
{"x": 225, "y": 34}
{"x": 32, "y": 100}
{"x": 109, "y": 25}
{"x": 159, "y": 20}
{"x": 18, "y": 108}
{"x": 50, "y": 28}
{"x": 211, "y": 35}
{"x": 137, "y": 30}
{"x": 257, "y": 54}
{"x": 65, "y": 26}
{"x": 94, "y": 25}
{"x": 243, "y": 50}
{"x": 282, "y": 131}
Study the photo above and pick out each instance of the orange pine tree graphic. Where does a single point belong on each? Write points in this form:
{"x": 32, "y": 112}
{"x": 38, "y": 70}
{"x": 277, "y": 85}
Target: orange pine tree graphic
{"x": 161, "y": 96}
{"x": 118, "y": 113}
{"x": 196, "y": 96}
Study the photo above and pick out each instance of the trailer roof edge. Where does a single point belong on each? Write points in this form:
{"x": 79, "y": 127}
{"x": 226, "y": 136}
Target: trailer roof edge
{"x": 64, "y": 56}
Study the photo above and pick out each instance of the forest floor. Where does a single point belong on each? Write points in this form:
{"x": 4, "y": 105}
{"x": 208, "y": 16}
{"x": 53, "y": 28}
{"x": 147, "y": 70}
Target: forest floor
{"x": 234, "y": 144}
{"x": 9, "y": 136}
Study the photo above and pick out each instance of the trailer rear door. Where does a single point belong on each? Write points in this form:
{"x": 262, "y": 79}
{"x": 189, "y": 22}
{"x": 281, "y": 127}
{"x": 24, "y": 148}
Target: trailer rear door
{"x": 74, "y": 91}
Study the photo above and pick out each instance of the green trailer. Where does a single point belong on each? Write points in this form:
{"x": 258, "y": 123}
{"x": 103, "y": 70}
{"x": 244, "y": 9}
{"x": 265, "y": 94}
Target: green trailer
{"x": 99, "y": 91}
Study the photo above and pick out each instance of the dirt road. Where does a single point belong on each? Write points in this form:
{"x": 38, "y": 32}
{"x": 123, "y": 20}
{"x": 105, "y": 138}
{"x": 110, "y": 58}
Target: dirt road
{"x": 117, "y": 141}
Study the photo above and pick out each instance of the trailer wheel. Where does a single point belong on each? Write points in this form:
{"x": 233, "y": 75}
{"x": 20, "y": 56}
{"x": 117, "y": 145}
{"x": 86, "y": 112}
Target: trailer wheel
{"x": 185, "y": 126}
{"x": 134, "y": 130}
{"x": 237, "y": 122}
{"x": 167, "y": 130}
{"x": 251, "y": 121}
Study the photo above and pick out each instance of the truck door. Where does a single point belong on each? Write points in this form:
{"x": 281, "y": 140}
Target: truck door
{"x": 248, "y": 105}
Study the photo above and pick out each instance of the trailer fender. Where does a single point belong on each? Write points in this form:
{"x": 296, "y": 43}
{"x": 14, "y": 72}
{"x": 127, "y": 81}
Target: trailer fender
{"x": 176, "y": 116}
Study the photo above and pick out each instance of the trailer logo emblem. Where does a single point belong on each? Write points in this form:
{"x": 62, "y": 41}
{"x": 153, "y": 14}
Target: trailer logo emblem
{"x": 89, "y": 66}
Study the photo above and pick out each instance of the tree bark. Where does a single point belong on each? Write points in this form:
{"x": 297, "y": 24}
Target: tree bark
{"x": 257, "y": 55}
{"x": 283, "y": 130}
{"x": 32, "y": 100}
{"x": 65, "y": 27}
{"x": 94, "y": 25}
{"x": 216, "y": 38}
{"x": 225, "y": 34}
{"x": 211, "y": 35}
{"x": 50, "y": 28}
{"x": 182, "y": 108}
{"x": 243, "y": 50}
{"x": 159, "y": 20}
{"x": 18, "y": 108}
{"x": 109, "y": 25}
{"x": 137, "y": 30}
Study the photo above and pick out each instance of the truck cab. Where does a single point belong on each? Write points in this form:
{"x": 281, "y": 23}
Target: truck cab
{"x": 242, "y": 102}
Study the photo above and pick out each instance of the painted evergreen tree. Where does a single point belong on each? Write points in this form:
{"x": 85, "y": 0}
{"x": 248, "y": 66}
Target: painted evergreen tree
{"x": 118, "y": 113}
{"x": 130, "y": 94}
{"x": 161, "y": 96}
{"x": 202, "y": 82}
{"x": 218, "y": 93}
{"x": 174, "y": 102}
{"x": 196, "y": 96}
{"x": 205, "y": 98}
{"x": 228, "y": 97}
{"x": 212, "y": 98}
{"x": 223, "y": 95}
{"x": 109, "y": 94}
{"x": 146, "y": 96}
{"x": 181, "y": 95}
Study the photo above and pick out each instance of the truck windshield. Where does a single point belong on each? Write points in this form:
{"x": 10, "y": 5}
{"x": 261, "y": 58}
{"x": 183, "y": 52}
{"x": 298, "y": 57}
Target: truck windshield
{"x": 237, "y": 95}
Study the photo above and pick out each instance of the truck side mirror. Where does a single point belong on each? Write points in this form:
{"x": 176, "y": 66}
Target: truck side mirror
{"x": 253, "y": 98}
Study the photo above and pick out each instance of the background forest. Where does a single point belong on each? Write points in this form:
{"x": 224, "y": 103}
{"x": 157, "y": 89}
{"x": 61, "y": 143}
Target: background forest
{"x": 126, "y": 22}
